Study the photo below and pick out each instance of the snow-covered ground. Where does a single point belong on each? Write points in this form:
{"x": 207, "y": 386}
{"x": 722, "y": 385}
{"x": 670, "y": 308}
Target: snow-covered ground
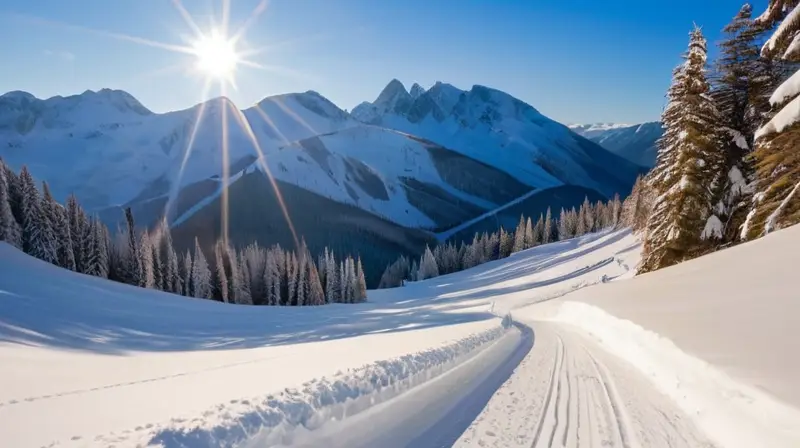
{"x": 711, "y": 347}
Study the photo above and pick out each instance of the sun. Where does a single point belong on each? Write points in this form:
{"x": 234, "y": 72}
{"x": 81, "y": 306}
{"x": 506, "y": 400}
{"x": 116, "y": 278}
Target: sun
{"x": 216, "y": 56}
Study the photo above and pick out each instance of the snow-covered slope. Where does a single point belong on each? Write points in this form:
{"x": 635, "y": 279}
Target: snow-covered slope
{"x": 502, "y": 131}
{"x": 104, "y": 363}
{"x": 636, "y": 143}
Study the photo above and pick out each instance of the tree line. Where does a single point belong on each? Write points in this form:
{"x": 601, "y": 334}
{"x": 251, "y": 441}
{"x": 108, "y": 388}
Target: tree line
{"x": 448, "y": 257}
{"x": 728, "y": 168}
{"x": 68, "y": 237}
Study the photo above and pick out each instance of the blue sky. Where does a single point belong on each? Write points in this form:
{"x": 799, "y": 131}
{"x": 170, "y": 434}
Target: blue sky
{"x": 575, "y": 61}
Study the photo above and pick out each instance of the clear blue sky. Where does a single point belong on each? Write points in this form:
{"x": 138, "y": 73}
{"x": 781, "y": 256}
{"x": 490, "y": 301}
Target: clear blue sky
{"x": 574, "y": 60}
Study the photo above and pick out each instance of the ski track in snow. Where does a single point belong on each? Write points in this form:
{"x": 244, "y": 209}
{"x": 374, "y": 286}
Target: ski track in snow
{"x": 568, "y": 392}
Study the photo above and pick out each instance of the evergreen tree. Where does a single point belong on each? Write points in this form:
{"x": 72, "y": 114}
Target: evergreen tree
{"x": 332, "y": 287}
{"x": 427, "y": 266}
{"x": 186, "y": 274}
{"x": 64, "y": 251}
{"x": 77, "y": 229}
{"x": 519, "y": 236}
{"x": 242, "y": 282}
{"x": 588, "y": 215}
{"x": 687, "y": 167}
{"x": 529, "y": 239}
{"x": 220, "y": 278}
{"x": 133, "y": 267}
{"x": 37, "y": 239}
{"x": 776, "y": 202}
{"x": 580, "y": 224}
{"x": 10, "y": 230}
{"x": 361, "y": 283}
{"x": 158, "y": 268}
{"x": 738, "y": 88}
{"x": 316, "y": 294}
{"x": 291, "y": 277}
{"x": 616, "y": 211}
{"x": 146, "y": 262}
{"x": 506, "y": 243}
{"x": 201, "y": 275}
{"x": 302, "y": 279}
{"x": 547, "y": 232}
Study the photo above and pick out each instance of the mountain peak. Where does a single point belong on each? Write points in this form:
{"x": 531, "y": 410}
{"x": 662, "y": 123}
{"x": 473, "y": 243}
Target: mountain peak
{"x": 417, "y": 91}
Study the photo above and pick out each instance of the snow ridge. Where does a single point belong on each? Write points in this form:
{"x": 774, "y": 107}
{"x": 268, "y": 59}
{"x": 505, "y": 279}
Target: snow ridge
{"x": 275, "y": 418}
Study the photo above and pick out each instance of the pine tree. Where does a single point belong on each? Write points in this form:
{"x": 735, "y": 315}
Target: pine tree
{"x": 186, "y": 274}
{"x": 519, "y": 236}
{"x": 77, "y": 228}
{"x": 738, "y": 82}
{"x": 332, "y": 288}
{"x": 146, "y": 262}
{"x": 291, "y": 277}
{"x": 588, "y": 215}
{"x": 220, "y": 277}
{"x": 529, "y": 239}
{"x": 427, "y": 266}
{"x": 316, "y": 295}
{"x": 580, "y": 224}
{"x": 361, "y": 283}
{"x": 64, "y": 251}
{"x": 242, "y": 292}
{"x": 547, "y": 232}
{"x": 201, "y": 275}
{"x": 133, "y": 267}
{"x": 616, "y": 211}
{"x": 37, "y": 237}
{"x": 506, "y": 243}
{"x": 687, "y": 166}
{"x": 776, "y": 202}
{"x": 158, "y": 268}
{"x": 10, "y": 230}
{"x": 302, "y": 279}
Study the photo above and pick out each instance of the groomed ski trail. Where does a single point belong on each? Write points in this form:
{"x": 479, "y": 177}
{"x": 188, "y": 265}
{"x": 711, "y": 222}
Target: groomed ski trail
{"x": 569, "y": 392}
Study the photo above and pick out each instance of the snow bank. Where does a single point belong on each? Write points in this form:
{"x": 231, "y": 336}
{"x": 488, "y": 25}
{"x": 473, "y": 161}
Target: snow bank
{"x": 731, "y": 413}
{"x": 274, "y": 419}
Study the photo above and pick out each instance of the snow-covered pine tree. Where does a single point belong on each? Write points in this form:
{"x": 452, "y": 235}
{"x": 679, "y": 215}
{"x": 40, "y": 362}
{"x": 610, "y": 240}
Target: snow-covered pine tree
{"x": 316, "y": 294}
{"x": 739, "y": 76}
{"x": 322, "y": 268}
{"x": 332, "y": 288}
{"x": 529, "y": 239}
{"x": 776, "y": 202}
{"x": 158, "y": 265}
{"x": 291, "y": 278}
{"x": 242, "y": 284}
{"x": 64, "y": 251}
{"x": 616, "y": 211}
{"x": 302, "y": 278}
{"x": 220, "y": 276}
{"x": 519, "y": 236}
{"x": 272, "y": 283}
{"x": 10, "y": 230}
{"x": 172, "y": 280}
{"x": 547, "y": 230}
{"x": 687, "y": 166}
{"x": 427, "y": 266}
{"x": 351, "y": 279}
{"x": 538, "y": 229}
{"x": 588, "y": 215}
{"x": 361, "y": 283}
{"x": 506, "y": 243}
{"x": 77, "y": 228}
{"x": 134, "y": 270}
{"x": 15, "y": 196}
{"x": 186, "y": 274}
{"x": 343, "y": 281}
{"x": 146, "y": 261}
{"x": 582, "y": 220}
{"x": 201, "y": 275}
{"x": 34, "y": 227}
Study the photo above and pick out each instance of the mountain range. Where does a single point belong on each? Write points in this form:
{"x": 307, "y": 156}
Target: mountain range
{"x": 387, "y": 174}
{"x": 636, "y": 143}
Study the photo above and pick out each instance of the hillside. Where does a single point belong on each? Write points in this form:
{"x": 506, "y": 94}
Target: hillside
{"x": 635, "y": 143}
{"x": 77, "y": 344}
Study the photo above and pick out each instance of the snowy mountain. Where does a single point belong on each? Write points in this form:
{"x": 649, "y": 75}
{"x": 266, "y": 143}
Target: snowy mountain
{"x": 502, "y": 131}
{"x": 636, "y": 143}
{"x": 109, "y": 150}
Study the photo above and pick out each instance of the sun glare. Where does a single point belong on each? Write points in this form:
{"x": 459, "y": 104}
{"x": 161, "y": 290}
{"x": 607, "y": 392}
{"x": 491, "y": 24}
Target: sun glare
{"x": 216, "y": 56}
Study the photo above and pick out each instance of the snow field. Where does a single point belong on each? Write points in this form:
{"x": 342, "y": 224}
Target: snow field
{"x": 733, "y": 414}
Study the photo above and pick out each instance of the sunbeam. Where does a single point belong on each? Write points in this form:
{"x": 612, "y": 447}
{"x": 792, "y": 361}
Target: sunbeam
{"x": 262, "y": 161}
{"x": 251, "y": 19}
{"x": 198, "y": 33}
{"x": 224, "y": 205}
{"x": 173, "y": 191}
{"x": 295, "y": 117}
{"x": 270, "y": 123}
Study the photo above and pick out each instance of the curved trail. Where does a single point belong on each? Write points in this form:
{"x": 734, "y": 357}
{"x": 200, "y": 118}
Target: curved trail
{"x": 568, "y": 392}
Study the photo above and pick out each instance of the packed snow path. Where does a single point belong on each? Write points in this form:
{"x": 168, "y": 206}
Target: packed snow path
{"x": 569, "y": 392}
